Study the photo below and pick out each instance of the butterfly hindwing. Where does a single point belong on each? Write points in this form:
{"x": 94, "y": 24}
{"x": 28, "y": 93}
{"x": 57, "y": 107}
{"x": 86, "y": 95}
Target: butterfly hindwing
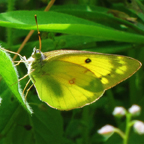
{"x": 65, "y": 85}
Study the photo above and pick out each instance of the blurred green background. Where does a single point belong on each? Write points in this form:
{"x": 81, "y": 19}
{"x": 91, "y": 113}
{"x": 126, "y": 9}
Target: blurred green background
{"x": 107, "y": 26}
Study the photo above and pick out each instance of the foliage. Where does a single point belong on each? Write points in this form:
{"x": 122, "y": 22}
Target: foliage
{"x": 108, "y": 26}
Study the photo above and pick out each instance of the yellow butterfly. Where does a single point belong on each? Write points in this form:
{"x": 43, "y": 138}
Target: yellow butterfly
{"x": 68, "y": 79}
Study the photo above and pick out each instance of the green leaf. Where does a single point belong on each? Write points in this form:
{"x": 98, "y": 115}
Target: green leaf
{"x": 18, "y": 127}
{"x": 9, "y": 73}
{"x": 100, "y": 15}
{"x": 64, "y": 23}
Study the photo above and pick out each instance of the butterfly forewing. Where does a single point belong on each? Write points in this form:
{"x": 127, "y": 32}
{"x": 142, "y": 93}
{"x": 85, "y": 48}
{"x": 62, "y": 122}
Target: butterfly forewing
{"x": 65, "y": 85}
{"x": 110, "y": 69}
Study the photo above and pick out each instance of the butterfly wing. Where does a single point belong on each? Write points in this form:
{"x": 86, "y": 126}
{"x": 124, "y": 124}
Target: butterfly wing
{"x": 70, "y": 79}
{"x": 110, "y": 69}
{"x": 64, "y": 85}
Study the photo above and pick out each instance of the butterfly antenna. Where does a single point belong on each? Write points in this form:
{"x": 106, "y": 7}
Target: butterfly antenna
{"x": 38, "y": 33}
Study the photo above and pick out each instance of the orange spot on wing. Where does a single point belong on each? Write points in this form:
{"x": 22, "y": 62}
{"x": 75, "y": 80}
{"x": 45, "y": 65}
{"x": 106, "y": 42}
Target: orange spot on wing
{"x": 72, "y": 81}
{"x": 86, "y": 71}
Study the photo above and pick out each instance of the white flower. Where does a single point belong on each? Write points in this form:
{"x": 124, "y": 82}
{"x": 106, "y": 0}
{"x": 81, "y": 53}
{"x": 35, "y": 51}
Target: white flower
{"x": 119, "y": 111}
{"x": 139, "y": 127}
{"x": 106, "y": 131}
{"x": 134, "y": 110}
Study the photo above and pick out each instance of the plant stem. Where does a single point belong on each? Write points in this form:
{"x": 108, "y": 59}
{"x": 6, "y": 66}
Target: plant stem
{"x": 118, "y": 131}
{"x": 128, "y": 125}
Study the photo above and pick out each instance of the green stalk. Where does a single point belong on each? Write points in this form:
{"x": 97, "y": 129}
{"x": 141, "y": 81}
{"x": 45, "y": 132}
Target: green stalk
{"x": 128, "y": 125}
{"x": 118, "y": 131}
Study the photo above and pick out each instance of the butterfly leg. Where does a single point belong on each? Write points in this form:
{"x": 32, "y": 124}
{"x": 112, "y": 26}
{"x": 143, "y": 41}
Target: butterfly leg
{"x": 28, "y": 91}
{"x": 18, "y": 62}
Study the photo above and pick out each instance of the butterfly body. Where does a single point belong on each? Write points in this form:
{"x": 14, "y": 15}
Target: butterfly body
{"x": 68, "y": 79}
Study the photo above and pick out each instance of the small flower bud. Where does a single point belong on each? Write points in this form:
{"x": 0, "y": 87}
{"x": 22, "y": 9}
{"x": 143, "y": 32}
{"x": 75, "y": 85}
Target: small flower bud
{"x": 119, "y": 111}
{"x": 106, "y": 131}
{"x": 134, "y": 110}
{"x": 139, "y": 127}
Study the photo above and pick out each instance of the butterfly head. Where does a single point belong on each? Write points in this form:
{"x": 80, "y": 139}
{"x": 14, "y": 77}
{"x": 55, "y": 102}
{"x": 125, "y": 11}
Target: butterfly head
{"x": 37, "y": 54}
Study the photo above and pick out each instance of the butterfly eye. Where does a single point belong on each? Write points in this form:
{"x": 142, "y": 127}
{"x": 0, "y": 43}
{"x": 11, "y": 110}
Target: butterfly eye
{"x": 87, "y": 60}
{"x": 35, "y": 51}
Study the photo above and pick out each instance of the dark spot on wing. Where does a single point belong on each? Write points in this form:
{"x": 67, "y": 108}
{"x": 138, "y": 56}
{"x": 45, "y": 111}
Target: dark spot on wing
{"x": 109, "y": 74}
{"x": 88, "y": 60}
